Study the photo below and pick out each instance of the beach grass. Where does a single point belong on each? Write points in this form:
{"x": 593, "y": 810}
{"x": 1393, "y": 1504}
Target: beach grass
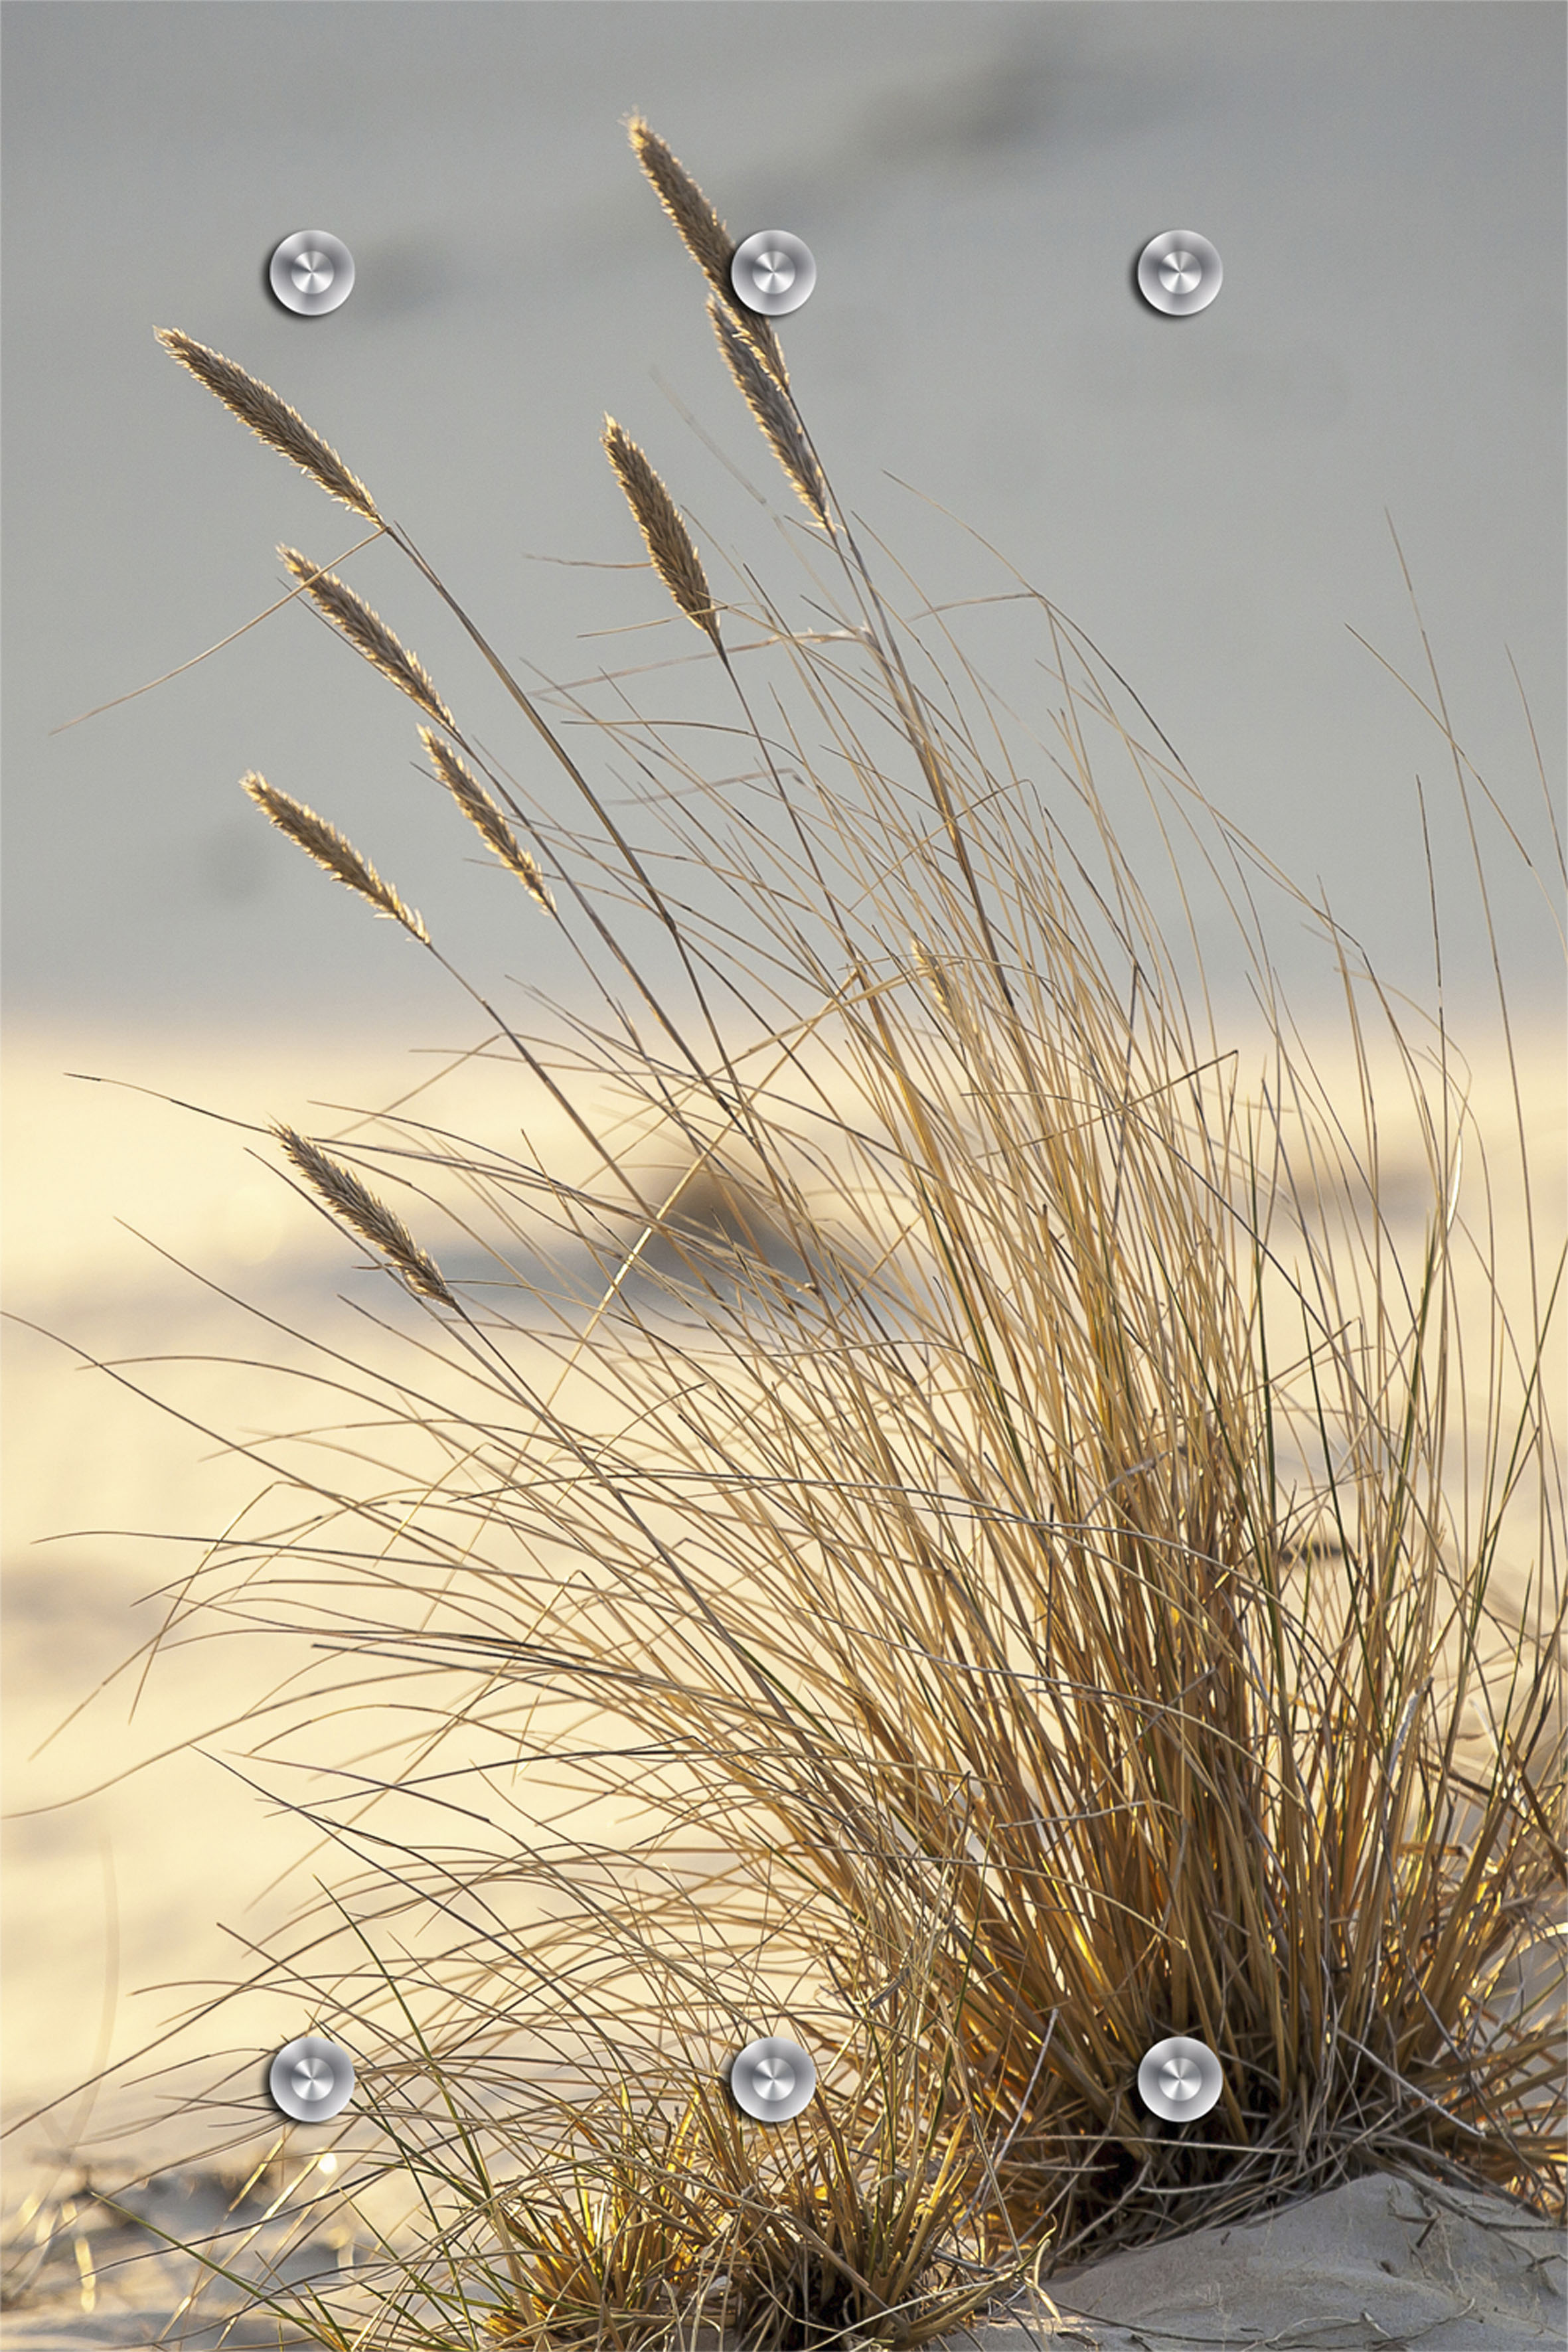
{"x": 1019, "y": 1549}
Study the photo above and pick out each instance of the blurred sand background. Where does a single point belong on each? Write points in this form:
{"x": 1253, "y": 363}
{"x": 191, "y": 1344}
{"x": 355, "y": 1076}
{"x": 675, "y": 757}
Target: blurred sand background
{"x": 1207, "y": 498}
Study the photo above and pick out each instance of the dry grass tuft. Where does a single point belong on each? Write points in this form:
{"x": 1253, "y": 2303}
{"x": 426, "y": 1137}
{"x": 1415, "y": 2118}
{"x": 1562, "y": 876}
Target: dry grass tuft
{"x": 486, "y": 817}
{"x": 792, "y": 2240}
{"x": 1101, "y": 1578}
{"x": 270, "y": 419}
{"x": 328, "y": 847}
{"x": 367, "y": 631}
{"x": 670, "y": 543}
{"x": 373, "y": 1221}
{"x": 773, "y": 409}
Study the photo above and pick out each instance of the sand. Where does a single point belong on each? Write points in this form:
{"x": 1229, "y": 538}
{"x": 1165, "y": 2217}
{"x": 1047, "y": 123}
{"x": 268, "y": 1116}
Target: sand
{"x": 1380, "y": 2261}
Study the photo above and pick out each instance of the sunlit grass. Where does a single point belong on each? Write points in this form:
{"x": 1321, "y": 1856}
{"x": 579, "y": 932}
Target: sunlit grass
{"x": 1021, "y": 1556}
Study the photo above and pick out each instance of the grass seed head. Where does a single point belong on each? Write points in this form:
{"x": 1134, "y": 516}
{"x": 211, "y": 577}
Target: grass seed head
{"x": 702, "y": 232}
{"x": 936, "y": 979}
{"x": 328, "y": 847}
{"x": 358, "y": 1207}
{"x": 270, "y": 419}
{"x": 485, "y": 817}
{"x": 670, "y": 543}
{"x": 705, "y": 238}
{"x": 774, "y": 410}
{"x": 368, "y": 632}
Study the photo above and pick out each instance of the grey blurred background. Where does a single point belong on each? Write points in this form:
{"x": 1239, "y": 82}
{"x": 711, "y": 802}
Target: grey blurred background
{"x": 1206, "y": 497}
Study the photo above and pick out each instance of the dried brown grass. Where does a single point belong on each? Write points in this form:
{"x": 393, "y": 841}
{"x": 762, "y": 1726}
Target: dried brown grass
{"x": 272, "y": 419}
{"x": 486, "y": 818}
{"x": 816, "y": 2234}
{"x": 671, "y": 546}
{"x": 329, "y": 849}
{"x": 360, "y": 1210}
{"x": 367, "y": 631}
{"x": 1032, "y": 1611}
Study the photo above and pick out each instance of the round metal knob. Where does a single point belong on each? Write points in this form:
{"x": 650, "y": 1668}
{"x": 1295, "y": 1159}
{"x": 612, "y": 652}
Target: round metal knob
{"x": 311, "y": 2079}
{"x": 772, "y": 272}
{"x": 1178, "y": 271}
{"x": 1180, "y": 2079}
{"x": 311, "y": 272}
{"x": 772, "y": 2080}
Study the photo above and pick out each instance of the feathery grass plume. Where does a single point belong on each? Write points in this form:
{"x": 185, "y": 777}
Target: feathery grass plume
{"x": 704, "y": 235}
{"x": 485, "y": 817}
{"x": 670, "y": 543}
{"x": 373, "y": 1221}
{"x": 271, "y": 420}
{"x": 775, "y": 411}
{"x": 327, "y": 846}
{"x": 368, "y": 632}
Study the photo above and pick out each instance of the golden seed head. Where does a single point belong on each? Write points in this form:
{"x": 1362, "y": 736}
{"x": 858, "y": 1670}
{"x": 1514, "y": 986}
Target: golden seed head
{"x": 365, "y": 630}
{"x": 358, "y": 1207}
{"x": 328, "y": 847}
{"x": 773, "y": 409}
{"x": 486, "y": 817}
{"x": 704, "y": 235}
{"x": 270, "y": 419}
{"x": 670, "y": 543}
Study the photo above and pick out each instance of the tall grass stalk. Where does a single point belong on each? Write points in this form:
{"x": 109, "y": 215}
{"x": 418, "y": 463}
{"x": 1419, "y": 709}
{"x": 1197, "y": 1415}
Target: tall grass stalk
{"x": 1022, "y": 1553}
